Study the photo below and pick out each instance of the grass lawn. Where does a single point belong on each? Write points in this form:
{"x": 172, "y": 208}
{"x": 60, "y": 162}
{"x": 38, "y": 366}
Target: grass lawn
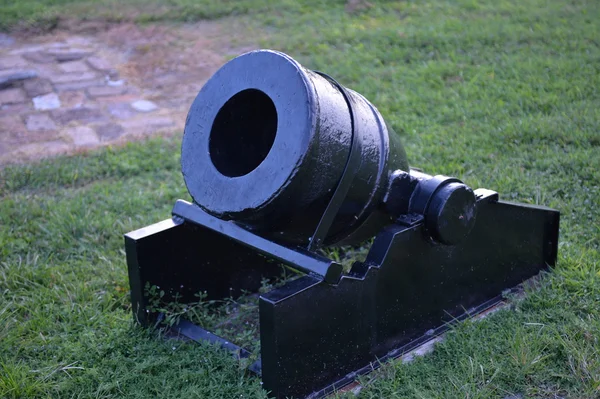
{"x": 502, "y": 94}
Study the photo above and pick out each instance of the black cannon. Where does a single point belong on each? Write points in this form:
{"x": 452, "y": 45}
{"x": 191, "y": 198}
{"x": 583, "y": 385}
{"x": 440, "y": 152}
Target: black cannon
{"x": 281, "y": 161}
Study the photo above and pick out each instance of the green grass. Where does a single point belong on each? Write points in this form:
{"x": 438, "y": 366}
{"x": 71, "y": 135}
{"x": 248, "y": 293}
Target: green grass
{"x": 503, "y": 94}
{"x": 46, "y": 14}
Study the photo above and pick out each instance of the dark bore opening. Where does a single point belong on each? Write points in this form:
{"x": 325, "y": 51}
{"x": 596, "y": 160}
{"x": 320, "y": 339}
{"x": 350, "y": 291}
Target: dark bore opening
{"x": 243, "y": 133}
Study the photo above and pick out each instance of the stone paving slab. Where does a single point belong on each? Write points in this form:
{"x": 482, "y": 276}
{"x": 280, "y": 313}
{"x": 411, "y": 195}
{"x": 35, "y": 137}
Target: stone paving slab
{"x": 65, "y": 95}
{"x": 14, "y": 95}
{"x": 12, "y": 61}
{"x": 8, "y": 77}
{"x": 117, "y": 83}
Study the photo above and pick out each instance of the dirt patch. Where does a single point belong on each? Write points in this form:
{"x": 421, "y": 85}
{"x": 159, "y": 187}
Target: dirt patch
{"x": 172, "y": 63}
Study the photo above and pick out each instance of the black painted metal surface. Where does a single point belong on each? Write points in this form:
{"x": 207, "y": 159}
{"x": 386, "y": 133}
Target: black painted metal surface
{"x": 266, "y": 143}
{"x": 314, "y": 333}
{"x": 280, "y": 160}
{"x": 184, "y": 259}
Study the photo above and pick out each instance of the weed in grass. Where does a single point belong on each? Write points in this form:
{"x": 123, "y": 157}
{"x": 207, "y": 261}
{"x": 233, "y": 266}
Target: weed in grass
{"x": 17, "y": 381}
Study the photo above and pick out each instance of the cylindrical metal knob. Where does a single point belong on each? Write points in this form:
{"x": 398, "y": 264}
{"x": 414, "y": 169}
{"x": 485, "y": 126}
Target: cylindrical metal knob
{"x": 266, "y": 142}
{"x": 451, "y": 213}
{"x": 448, "y": 206}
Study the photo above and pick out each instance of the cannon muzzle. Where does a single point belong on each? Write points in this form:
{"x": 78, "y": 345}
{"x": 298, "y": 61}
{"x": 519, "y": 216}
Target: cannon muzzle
{"x": 267, "y": 142}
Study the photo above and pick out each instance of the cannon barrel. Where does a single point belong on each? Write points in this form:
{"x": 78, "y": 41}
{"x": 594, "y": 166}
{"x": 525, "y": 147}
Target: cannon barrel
{"x": 267, "y": 141}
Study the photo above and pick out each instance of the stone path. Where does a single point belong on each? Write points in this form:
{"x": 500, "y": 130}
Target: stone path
{"x": 68, "y": 93}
